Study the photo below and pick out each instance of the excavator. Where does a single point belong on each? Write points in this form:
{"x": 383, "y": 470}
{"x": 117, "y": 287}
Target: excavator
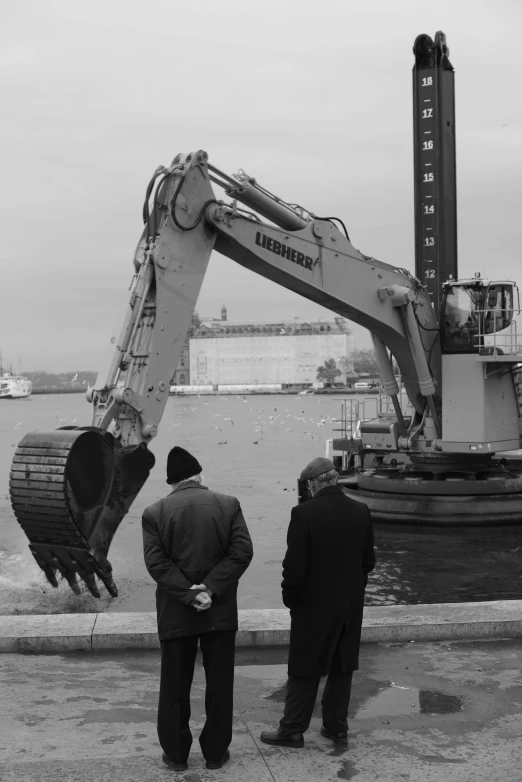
{"x": 71, "y": 487}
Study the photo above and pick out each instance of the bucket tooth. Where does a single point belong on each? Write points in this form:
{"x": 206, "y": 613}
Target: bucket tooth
{"x": 50, "y": 575}
{"x": 90, "y": 582}
{"x": 73, "y": 583}
{"x": 110, "y": 586}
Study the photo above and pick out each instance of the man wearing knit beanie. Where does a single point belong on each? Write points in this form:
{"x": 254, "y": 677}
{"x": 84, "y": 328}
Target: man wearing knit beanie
{"x": 196, "y": 546}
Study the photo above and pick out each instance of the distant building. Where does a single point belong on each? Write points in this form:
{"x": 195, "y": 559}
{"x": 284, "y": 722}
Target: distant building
{"x": 181, "y": 376}
{"x": 227, "y": 353}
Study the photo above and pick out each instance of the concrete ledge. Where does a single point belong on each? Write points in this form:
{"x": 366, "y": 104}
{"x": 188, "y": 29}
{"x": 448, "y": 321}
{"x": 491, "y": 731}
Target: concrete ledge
{"x": 46, "y": 632}
{"x": 264, "y": 627}
{"x": 443, "y": 621}
{"x": 125, "y": 631}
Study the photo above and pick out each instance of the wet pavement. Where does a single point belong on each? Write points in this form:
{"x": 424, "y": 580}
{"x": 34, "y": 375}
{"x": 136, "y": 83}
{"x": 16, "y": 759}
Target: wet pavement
{"x": 419, "y": 711}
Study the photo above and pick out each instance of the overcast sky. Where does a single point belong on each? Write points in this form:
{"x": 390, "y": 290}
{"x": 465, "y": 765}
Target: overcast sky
{"x": 313, "y": 99}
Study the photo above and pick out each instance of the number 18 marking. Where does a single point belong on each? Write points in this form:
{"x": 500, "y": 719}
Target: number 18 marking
{"x": 427, "y": 81}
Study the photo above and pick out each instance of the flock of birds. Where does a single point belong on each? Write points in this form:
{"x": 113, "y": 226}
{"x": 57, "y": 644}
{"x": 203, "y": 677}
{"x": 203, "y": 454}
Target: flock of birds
{"x": 263, "y": 420}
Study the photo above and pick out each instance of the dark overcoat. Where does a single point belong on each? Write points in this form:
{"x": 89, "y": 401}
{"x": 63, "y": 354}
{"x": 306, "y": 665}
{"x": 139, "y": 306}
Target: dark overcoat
{"x": 195, "y": 536}
{"x": 330, "y": 553}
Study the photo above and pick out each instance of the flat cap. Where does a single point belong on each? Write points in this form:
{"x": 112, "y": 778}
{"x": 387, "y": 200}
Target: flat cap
{"x": 316, "y": 467}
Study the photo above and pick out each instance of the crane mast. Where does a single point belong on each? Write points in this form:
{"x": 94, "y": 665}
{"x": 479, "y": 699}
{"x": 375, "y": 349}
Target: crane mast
{"x": 435, "y": 181}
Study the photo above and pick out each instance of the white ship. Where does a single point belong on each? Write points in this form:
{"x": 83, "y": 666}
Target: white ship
{"x": 14, "y": 386}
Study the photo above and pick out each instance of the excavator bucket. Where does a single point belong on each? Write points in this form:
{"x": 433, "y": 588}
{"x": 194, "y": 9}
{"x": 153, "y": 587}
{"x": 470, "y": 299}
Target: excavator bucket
{"x": 70, "y": 488}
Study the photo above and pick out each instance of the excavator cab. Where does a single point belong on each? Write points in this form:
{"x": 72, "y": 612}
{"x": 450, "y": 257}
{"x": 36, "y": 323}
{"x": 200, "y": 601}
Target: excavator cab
{"x": 477, "y": 316}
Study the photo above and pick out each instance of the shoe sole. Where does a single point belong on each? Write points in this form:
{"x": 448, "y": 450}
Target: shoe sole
{"x": 291, "y": 744}
{"x": 177, "y": 767}
{"x": 344, "y": 740}
{"x": 214, "y": 766}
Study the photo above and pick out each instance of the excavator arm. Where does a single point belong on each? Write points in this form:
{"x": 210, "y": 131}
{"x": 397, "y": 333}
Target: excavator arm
{"x": 71, "y": 487}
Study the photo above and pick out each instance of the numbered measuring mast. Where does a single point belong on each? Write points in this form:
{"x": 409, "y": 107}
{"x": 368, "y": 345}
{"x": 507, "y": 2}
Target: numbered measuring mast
{"x": 434, "y": 165}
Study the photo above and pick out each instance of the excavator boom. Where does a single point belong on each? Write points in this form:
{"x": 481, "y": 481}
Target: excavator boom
{"x": 71, "y": 488}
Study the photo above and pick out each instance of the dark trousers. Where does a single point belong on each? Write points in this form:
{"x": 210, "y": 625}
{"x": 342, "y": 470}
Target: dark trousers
{"x": 178, "y": 656}
{"x": 302, "y": 693}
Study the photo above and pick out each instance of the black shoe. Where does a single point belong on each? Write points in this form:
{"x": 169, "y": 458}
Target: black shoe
{"x": 172, "y": 764}
{"x": 339, "y": 738}
{"x": 280, "y": 739}
{"x": 218, "y": 763}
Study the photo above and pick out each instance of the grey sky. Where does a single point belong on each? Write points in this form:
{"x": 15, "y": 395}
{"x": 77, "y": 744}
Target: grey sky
{"x": 314, "y": 99}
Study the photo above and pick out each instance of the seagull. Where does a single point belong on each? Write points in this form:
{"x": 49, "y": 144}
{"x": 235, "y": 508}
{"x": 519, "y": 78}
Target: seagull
{"x": 256, "y": 442}
{"x": 193, "y": 408}
{"x": 174, "y": 424}
{"x": 229, "y": 419}
{"x": 217, "y": 415}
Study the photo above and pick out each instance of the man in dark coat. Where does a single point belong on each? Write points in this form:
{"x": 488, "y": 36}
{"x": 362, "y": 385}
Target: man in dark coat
{"x": 330, "y": 553}
{"x": 196, "y": 546}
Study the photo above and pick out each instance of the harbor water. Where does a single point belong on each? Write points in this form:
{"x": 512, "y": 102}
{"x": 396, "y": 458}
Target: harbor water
{"x": 253, "y": 447}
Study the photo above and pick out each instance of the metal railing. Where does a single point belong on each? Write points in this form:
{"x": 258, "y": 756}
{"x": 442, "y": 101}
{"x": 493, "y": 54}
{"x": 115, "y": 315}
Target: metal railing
{"x": 497, "y": 331}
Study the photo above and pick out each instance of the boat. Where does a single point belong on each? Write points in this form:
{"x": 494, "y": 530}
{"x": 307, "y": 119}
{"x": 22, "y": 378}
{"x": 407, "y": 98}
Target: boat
{"x": 442, "y": 502}
{"x": 14, "y": 386}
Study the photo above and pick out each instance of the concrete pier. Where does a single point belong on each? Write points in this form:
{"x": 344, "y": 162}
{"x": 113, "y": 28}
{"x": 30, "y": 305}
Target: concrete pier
{"x": 437, "y": 711}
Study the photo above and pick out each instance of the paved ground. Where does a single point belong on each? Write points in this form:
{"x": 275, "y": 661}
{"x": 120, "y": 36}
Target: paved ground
{"x": 432, "y": 711}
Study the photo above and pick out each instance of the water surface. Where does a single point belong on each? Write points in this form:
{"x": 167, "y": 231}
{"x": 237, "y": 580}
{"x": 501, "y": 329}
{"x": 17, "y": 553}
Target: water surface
{"x": 253, "y": 447}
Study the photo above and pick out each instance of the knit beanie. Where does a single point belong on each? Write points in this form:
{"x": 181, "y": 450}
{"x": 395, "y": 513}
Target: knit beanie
{"x": 181, "y": 464}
